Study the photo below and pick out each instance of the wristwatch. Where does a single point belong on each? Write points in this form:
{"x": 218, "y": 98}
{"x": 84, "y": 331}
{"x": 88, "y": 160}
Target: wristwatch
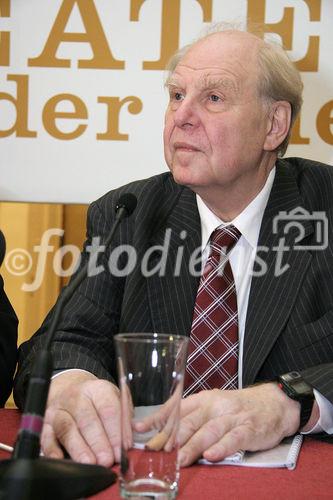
{"x": 297, "y": 388}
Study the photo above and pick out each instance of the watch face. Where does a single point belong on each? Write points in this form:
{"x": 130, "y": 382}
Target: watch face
{"x": 302, "y": 387}
{"x": 296, "y": 385}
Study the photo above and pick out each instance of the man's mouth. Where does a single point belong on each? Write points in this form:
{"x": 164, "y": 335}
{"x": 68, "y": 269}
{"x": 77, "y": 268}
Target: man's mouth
{"x": 185, "y": 146}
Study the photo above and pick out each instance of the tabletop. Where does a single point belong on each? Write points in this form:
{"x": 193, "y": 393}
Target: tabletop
{"x": 312, "y": 478}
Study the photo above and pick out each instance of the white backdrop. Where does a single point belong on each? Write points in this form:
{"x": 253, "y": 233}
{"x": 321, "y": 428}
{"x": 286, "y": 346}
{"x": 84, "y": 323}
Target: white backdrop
{"x": 114, "y": 144}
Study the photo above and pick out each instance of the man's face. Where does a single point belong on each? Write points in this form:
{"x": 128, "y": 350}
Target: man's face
{"x": 215, "y": 123}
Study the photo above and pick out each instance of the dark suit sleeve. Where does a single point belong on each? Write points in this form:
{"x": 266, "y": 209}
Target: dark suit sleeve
{"x": 108, "y": 301}
{"x": 8, "y": 342}
{"x": 320, "y": 377}
{"x": 84, "y": 338}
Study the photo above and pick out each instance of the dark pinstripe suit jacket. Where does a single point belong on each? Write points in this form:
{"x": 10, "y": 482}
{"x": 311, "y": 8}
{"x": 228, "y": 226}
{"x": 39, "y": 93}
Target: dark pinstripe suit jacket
{"x": 290, "y": 317}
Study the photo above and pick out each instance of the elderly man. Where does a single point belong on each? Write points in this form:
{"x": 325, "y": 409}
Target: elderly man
{"x": 233, "y": 99}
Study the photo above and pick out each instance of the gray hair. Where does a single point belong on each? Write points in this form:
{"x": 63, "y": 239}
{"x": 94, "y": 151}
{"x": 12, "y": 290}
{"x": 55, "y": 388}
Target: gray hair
{"x": 279, "y": 78}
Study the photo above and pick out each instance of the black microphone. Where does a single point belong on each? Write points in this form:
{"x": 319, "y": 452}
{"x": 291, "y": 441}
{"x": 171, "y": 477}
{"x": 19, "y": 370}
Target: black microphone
{"x": 71, "y": 480}
{"x": 126, "y": 205}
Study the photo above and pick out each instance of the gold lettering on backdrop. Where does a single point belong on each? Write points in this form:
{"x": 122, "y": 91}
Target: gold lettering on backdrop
{"x": 296, "y": 137}
{"x": 310, "y": 61}
{"x": 314, "y": 7}
{"x": 256, "y": 13}
{"x": 50, "y": 115}
{"x": 94, "y": 36}
{"x": 114, "y": 105}
{"x": 170, "y": 27}
{"x": 20, "y": 102}
{"x": 4, "y": 35}
{"x": 324, "y": 122}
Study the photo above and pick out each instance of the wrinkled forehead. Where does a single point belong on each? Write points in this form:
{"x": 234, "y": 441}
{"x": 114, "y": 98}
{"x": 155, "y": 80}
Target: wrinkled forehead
{"x": 230, "y": 58}
{"x": 237, "y": 45}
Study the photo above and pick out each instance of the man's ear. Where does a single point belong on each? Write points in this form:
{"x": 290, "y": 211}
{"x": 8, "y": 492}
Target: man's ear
{"x": 278, "y": 124}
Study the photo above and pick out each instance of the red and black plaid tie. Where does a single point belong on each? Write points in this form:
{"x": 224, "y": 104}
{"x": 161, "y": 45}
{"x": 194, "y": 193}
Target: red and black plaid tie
{"x": 213, "y": 348}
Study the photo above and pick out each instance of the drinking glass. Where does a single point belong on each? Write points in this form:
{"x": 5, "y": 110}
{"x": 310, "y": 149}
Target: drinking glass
{"x": 151, "y": 376}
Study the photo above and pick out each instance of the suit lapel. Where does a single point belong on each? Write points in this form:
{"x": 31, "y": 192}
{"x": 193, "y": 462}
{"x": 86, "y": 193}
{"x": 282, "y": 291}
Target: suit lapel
{"x": 172, "y": 295}
{"x": 273, "y": 292}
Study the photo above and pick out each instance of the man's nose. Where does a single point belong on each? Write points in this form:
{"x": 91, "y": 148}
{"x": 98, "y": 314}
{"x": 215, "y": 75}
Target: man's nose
{"x": 186, "y": 115}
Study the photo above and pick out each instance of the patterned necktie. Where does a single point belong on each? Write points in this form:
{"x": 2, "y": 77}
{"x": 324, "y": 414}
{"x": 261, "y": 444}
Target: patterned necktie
{"x": 213, "y": 348}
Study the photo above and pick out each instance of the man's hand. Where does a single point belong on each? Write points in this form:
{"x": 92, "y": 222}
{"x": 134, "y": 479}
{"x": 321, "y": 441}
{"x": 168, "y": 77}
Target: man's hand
{"x": 215, "y": 424}
{"x": 83, "y": 416}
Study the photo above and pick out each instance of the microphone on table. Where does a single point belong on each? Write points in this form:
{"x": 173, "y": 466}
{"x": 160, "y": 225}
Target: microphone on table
{"x": 26, "y": 476}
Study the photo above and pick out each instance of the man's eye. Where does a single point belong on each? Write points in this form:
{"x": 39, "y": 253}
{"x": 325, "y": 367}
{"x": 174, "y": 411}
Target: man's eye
{"x": 214, "y": 98}
{"x": 177, "y": 96}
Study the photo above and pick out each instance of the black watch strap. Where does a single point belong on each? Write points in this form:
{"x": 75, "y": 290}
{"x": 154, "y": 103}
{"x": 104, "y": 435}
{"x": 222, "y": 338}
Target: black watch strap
{"x": 294, "y": 386}
{"x": 306, "y": 410}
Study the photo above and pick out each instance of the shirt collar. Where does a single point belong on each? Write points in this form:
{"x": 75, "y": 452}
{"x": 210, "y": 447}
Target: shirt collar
{"x": 248, "y": 222}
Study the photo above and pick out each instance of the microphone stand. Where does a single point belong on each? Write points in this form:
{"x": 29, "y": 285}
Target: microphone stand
{"x": 26, "y": 476}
